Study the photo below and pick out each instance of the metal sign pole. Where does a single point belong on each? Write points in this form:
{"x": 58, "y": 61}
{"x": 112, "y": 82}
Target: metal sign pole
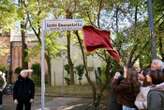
{"x": 54, "y": 25}
{"x": 43, "y": 67}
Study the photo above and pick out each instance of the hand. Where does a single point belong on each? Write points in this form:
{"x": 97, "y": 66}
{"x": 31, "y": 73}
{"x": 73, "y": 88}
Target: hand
{"x": 141, "y": 77}
{"x": 125, "y": 71}
{"x": 31, "y": 100}
{"x": 117, "y": 75}
{"x": 16, "y": 101}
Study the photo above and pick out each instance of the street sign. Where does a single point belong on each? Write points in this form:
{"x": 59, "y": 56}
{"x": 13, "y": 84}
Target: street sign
{"x": 63, "y": 24}
{"x": 54, "y": 25}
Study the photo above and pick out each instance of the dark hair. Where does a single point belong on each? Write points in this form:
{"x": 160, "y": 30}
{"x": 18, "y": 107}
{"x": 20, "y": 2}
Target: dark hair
{"x": 132, "y": 77}
{"x": 157, "y": 76}
{"x": 132, "y": 74}
{"x": 146, "y": 71}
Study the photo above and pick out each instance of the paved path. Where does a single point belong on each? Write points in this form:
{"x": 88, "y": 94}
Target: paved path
{"x": 52, "y": 103}
{"x": 64, "y": 103}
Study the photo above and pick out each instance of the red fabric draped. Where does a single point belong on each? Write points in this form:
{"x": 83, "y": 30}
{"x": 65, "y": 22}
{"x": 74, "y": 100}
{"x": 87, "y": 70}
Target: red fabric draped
{"x": 95, "y": 38}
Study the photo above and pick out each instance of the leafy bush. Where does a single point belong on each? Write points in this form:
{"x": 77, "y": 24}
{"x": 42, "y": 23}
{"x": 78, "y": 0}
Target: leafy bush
{"x": 80, "y": 71}
{"x": 36, "y": 69}
{"x": 67, "y": 76}
{"x": 18, "y": 70}
{"x": 66, "y": 67}
{"x": 3, "y": 68}
{"x": 36, "y": 73}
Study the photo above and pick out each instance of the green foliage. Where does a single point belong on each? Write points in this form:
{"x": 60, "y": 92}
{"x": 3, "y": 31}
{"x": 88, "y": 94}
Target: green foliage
{"x": 80, "y": 71}
{"x": 7, "y": 14}
{"x": 36, "y": 73}
{"x": 18, "y": 70}
{"x": 66, "y": 67}
{"x": 67, "y": 75}
{"x": 36, "y": 69}
{"x": 52, "y": 46}
{"x": 3, "y": 68}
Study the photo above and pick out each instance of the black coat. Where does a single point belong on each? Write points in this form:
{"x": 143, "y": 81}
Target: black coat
{"x": 24, "y": 89}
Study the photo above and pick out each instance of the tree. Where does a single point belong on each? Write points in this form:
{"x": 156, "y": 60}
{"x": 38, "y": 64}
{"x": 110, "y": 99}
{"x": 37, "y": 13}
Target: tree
{"x": 159, "y": 25}
{"x": 36, "y": 11}
{"x": 7, "y": 15}
{"x": 23, "y": 28}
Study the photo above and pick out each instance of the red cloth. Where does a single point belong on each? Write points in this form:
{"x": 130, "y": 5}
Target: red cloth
{"x": 95, "y": 38}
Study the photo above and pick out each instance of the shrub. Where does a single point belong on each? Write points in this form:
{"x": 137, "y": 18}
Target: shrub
{"x": 80, "y": 71}
{"x": 18, "y": 70}
{"x": 67, "y": 75}
{"x": 3, "y": 68}
{"x": 36, "y": 73}
{"x": 36, "y": 69}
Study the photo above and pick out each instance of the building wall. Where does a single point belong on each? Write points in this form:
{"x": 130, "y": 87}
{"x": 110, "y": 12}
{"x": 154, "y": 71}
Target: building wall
{"x": 4, "y": 49}
{"x": 16, "y": 58}
{"x": 57, "y": 68}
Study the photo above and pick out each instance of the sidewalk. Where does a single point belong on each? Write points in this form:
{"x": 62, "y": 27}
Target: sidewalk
{"x": 52, "y": 103}
{"x": 64, "y": 103}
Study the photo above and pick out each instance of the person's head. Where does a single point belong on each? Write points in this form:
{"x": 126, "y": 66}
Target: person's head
{"x": 142, "y": 74}
{"x": 156, "y": 64}
{"x": 132, "y": 78}
{"x": 131, "y": 74}
{"x": 155, "y": 77}
{"x": 23, "y": 74}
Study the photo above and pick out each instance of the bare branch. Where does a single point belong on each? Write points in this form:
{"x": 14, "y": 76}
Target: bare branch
{"x": 31, "y": 25}
{"x": 90, "y": 19}
{"x": 99, "y": 12}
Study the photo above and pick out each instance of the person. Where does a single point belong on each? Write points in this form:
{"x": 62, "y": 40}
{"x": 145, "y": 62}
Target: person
{"x": 157, "y": 64}
{"x": 146, "y": 84}
{"x": 2, "y": 87}
{"x": 153, "y": 94}
{"x": 112, "y": 103}
{"x": 156, "y": 94}
{"x": 23, "y": 91}
{"x": 127, "y": 89}
{"x": 29, "y": 75}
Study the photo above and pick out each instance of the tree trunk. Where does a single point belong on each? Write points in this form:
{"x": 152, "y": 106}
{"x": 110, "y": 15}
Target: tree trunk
{"x": 48, "y": 60}
{"x": 99, "y": 12}
{"x": 24, "y": 46}
{"x": 152, "y": 33}
{"x": 117, "y": 10}
{"x": 86, "y": 69}
{"x": 130, "y": 62}
{"x": 103, "y": 87}
{"x": 131, "y": 55}
{"x": 70, "y": 63}
{"x": 136, "y": 15}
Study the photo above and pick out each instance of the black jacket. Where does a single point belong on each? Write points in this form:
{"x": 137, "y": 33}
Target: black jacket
{"x": 24, "y": 89}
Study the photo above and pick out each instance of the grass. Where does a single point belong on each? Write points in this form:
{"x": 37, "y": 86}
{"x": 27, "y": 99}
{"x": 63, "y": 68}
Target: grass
{"x": 73, "y": 90}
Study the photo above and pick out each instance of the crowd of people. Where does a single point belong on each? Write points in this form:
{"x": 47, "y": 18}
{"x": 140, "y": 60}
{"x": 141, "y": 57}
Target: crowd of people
{"x": 132, "y": 90}
{"x": 139, "y": 89}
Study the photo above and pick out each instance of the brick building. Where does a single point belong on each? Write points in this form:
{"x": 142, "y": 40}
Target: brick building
{"x": 13, "y": 41}
{"x": 4, "y": 49}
